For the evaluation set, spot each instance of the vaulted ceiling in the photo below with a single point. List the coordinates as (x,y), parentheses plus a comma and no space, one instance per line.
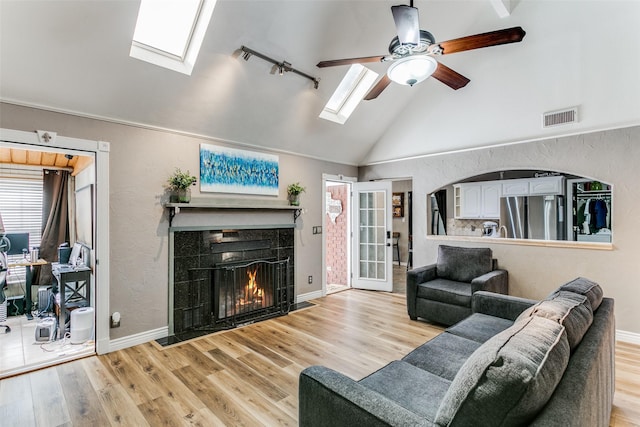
(73,56)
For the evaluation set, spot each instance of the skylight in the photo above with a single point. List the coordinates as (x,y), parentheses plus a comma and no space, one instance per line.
(169,33)
(353,87)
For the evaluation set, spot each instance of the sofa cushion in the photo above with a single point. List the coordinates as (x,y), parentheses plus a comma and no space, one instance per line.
(585,287)
(447,291)
(480,327)
(509,378)
(413,388)
(571,310)
(442,355)
(463,264)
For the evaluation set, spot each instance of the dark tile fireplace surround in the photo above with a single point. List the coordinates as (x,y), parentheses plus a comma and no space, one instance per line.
(223,278)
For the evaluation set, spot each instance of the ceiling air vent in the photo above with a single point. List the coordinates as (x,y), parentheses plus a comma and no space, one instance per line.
(560,117)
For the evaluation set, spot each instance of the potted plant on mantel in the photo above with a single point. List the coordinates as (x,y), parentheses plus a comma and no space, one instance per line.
(179,183)
(294,190)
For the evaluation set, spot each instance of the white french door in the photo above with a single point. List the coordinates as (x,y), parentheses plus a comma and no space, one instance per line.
(372,256)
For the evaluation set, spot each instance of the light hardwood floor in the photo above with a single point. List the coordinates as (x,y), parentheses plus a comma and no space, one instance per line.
(247,376)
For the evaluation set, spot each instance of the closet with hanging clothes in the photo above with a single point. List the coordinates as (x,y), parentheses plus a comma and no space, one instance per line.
(591,211)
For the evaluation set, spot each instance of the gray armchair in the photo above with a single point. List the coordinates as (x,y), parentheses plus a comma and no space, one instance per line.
(442,292)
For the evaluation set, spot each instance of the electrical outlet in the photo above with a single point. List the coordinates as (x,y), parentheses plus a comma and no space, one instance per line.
(115,320)
(310,279)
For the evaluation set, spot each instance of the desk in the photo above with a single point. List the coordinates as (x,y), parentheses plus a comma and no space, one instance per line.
(74,287)
(28,265)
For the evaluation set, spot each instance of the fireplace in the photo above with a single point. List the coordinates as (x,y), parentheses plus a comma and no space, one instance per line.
(223,278)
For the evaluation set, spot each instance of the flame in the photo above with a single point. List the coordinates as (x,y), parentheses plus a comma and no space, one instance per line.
(253,293)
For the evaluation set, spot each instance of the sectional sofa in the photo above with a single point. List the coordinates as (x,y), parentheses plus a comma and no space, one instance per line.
(512,362)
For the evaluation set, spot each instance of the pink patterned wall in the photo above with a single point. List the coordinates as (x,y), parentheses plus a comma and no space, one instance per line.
(336,240)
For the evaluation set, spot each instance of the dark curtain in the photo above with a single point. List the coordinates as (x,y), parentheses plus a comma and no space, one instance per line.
(55,221)
(441,199)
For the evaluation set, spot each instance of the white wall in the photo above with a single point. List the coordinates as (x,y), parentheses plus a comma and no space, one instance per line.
(140,163)
(609,156)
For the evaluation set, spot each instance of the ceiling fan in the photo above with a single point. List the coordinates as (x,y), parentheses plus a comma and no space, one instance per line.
(412,51)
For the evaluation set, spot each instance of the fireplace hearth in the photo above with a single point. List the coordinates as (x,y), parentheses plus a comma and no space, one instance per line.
(224,278)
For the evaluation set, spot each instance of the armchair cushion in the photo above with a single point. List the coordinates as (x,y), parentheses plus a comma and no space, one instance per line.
(447,291)
(463,264)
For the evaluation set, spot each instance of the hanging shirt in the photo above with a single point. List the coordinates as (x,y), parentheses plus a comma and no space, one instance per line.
(600,211)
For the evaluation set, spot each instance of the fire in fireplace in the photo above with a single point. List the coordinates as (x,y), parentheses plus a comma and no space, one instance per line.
(247,292)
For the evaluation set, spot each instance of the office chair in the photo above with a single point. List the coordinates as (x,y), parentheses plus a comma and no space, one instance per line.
(3,299)
(4,265)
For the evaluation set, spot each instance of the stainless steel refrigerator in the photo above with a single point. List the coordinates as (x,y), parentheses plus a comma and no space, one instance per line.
(533,217)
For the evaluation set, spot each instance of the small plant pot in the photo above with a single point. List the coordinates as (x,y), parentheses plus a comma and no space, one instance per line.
(294,199)
(184,195)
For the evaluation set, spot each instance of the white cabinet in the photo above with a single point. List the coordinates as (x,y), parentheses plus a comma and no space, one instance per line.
(547,185)
(515,187)
(470,200)
(491,192)
(477,200)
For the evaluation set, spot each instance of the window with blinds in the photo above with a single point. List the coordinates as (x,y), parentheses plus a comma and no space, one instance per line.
(21,209)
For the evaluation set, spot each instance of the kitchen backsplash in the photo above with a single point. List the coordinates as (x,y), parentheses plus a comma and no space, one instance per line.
(465,227)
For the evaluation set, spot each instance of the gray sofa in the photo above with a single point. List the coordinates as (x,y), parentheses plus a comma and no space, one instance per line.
(512,362)
(442,292)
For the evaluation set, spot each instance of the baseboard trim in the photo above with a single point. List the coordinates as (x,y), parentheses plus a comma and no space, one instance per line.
(140,338)
(628,337)
(308,296)
(143,337)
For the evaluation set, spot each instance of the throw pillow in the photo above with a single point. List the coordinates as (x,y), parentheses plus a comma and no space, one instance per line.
(571,310)
(463,264)
(585,287)
(508,380)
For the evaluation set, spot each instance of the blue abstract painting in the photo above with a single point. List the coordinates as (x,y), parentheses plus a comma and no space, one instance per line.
(228,170)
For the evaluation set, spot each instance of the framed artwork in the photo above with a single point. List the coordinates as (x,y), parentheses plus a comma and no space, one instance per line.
(229,170)
(397,203)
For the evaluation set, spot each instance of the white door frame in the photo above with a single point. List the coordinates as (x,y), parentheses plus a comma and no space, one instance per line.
(101,275)
(346,180)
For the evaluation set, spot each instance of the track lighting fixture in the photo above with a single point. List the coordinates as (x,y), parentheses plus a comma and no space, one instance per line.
(282,67)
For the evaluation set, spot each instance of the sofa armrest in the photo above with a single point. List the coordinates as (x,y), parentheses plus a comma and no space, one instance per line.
(414,278)
(499,305)
(494,281)
(327,397)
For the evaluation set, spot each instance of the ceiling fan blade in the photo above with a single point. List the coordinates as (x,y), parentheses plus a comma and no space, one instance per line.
(378,88)
(347,61)
(407,24)
(451,78)
(493,38)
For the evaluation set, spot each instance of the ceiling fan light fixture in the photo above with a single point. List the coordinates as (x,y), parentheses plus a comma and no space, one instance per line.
(412,69)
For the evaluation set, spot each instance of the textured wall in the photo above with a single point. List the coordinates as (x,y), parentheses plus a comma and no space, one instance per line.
(140,162)
(609,156)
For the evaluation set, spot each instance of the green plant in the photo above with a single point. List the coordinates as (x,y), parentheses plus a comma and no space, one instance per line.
(181,180)
(295,189)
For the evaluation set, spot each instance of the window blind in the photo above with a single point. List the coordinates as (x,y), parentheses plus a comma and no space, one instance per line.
(21,209)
